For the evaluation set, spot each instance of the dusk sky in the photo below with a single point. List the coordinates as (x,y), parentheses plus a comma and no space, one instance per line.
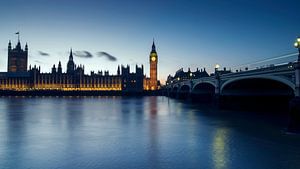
(187,33)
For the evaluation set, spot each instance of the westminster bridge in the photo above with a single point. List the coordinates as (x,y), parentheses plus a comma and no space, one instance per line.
(262,84)
(274,86)
(278,80)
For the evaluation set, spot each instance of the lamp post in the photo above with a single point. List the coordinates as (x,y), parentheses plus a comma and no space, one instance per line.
(297,68)
(217,66)
(217,87)
(294,107)
(297,45)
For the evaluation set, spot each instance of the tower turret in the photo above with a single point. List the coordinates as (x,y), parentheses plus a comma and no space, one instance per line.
(153,67)
(59,69)
(26,47)
(118,71)
(71,64)
(9,45)
(53,69)
(18,45)
(17,58)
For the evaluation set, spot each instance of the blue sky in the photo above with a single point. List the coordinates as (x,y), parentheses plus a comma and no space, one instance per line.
(187,33)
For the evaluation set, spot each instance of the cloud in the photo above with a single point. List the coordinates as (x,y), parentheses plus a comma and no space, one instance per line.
(107,55)
(43,53)
(36,61)
(83,54)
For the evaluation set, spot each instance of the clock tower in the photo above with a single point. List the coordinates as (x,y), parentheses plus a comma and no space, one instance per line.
(153,68)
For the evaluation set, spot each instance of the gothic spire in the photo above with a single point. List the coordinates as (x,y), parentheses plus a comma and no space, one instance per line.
(118,71)
(153,46)
(71,55)
(26,47)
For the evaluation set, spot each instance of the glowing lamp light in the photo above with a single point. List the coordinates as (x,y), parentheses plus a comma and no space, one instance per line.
(217,66)
(191,74)
(297,43)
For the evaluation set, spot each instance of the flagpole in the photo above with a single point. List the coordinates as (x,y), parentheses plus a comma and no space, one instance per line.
(18,33)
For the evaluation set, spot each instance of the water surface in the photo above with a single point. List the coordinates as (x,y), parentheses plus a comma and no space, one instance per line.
(144,132)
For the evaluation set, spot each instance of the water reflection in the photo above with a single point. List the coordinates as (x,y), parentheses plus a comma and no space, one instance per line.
(15,115)
(146,132)
(74,110)
(154,135)
(220,146)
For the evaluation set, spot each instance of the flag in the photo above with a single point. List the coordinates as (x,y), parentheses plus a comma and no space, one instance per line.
(17,33)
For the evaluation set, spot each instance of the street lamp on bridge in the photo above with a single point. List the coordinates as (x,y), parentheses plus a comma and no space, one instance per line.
(297,45)
(297,69)
(217,66)
(294,107)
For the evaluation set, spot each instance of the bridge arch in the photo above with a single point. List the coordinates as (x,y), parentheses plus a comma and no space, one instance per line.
(205,82)
(203,91)
(257,92)
(184,91)
(175,88)
(286,82)
(184,87)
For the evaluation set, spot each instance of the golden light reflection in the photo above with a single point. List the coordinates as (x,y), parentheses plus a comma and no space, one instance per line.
(220,149)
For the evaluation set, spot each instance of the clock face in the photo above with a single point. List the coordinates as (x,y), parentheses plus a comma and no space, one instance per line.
(153,58)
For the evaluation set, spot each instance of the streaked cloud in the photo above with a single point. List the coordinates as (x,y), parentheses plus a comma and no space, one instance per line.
(37,61)
(83,54)
(43,53)
(107,55)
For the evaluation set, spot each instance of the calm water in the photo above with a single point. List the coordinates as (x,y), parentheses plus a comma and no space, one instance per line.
(147,132)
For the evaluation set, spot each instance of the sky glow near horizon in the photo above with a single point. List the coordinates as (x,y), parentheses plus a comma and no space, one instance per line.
(187,33)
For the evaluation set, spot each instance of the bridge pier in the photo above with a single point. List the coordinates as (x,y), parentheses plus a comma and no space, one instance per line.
(294,107)
(294,115)
(216,99)
(297,75)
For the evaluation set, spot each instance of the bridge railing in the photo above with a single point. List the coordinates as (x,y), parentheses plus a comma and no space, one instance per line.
(277,68)
(268,63)
(279,63)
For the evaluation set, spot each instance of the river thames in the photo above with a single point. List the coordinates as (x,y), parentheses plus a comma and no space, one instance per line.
(141,133)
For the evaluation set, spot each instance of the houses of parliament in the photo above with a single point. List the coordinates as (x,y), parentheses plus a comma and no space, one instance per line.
(19,78)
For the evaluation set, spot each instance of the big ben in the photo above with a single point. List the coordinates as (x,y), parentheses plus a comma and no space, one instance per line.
(153,68)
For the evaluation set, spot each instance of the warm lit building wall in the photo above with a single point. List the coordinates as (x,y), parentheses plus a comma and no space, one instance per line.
(146,83)
(48,81)
(69,82)
(15,83)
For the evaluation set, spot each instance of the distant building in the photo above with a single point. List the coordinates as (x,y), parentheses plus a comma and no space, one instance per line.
(152,83)
(221,72)
(132,81)
(19,78)
(17,58)
(181,75)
